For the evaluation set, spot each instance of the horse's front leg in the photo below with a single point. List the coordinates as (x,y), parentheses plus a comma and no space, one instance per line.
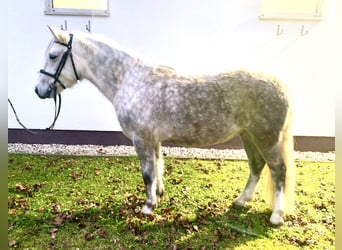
(159,170)
(149,163)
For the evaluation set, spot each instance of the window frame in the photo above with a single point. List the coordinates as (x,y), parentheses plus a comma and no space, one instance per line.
(319,14)
(50,10)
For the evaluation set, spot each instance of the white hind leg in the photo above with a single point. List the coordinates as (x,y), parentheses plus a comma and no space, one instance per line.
(278,175)
(277,217)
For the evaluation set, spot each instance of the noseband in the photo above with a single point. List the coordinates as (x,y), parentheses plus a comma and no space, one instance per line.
(58,72)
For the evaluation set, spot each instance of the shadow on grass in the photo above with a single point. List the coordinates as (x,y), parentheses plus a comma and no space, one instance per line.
(115,226)
(206,228)
(122,226)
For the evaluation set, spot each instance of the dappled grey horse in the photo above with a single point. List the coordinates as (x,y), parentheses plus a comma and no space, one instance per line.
(154,103)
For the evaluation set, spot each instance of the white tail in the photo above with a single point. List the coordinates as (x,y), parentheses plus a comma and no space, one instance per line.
(287,149)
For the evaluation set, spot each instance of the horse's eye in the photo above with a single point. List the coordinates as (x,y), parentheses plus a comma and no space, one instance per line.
(52,56)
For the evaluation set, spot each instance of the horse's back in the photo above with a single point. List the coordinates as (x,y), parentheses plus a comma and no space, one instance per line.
(212,109)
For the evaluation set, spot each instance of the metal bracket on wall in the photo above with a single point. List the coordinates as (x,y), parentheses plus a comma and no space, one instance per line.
(302,32)
(279,30)
(88,27)
(65,25)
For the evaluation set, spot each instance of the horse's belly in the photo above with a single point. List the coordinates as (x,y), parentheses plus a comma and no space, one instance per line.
(205,136)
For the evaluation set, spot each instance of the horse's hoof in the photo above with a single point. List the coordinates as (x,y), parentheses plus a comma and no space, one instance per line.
(240,201)
(147,210)
(276,219)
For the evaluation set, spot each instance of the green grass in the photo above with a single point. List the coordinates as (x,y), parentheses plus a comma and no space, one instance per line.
(64,202)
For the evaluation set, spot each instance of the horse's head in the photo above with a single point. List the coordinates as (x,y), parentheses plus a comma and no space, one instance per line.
(59,71)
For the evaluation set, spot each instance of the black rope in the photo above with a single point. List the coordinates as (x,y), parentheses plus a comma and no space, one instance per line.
(57,111)
(18,120)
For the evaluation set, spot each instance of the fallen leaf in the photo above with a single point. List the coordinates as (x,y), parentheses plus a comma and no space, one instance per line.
(23,189)
(56,208)
(58,220)
(89,236)
(12,243)
(20,187)
(76,176)
(81,225)
(38,186)
(21,202)
(103,234)
(176,181)
(28,166)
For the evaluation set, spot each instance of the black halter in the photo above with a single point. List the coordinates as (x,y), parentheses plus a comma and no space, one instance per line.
(58,72)
(53,85)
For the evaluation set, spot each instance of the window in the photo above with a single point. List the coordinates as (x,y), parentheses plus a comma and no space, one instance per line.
(292,9)
(77,7)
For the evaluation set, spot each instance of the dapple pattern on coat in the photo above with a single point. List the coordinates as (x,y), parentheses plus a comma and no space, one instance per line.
(155,104)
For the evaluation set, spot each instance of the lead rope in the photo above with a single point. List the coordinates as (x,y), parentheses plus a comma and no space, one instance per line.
(57,111)
(18,120)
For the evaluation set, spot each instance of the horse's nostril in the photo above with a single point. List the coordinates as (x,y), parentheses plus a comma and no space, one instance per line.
(36,90)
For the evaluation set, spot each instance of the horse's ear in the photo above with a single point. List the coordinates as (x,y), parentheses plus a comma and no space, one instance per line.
(59,35)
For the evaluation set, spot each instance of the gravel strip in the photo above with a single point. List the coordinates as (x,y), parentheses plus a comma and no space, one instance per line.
(178,152)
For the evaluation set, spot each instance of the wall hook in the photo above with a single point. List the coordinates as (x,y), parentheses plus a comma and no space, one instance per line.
(302,32)
(88,27)
(279,30)
(65,25)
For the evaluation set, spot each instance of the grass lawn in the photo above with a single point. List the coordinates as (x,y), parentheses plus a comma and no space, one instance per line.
(66,202)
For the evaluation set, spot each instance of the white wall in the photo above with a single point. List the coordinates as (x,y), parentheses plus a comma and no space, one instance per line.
(193,36)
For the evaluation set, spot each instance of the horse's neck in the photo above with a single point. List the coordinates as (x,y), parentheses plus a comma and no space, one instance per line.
(108,68)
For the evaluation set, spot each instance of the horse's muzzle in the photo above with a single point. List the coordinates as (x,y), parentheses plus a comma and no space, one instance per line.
(48,93)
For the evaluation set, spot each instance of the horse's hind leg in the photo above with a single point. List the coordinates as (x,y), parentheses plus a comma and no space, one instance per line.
(278,173)
(256,164)
(150,161)
(281,188)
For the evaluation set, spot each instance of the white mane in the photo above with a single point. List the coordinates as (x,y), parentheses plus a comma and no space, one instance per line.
(112,43)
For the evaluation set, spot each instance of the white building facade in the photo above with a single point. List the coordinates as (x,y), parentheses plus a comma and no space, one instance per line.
(195,37)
